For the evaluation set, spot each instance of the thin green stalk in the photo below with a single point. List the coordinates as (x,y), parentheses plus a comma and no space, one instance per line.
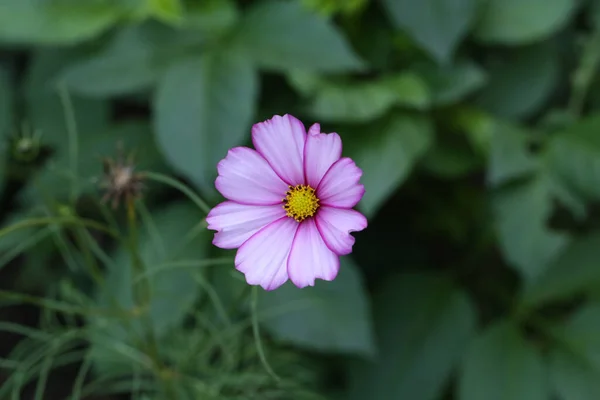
(90,260)
(108,216)
(152,229)
(155,176)
(216,338)
(214,298)
(63,247)
(140,289)
(257,341)
(45,372)
(80,378)
(183,264)
(31,241)
(141,292)
(60,306)
(71,123)
(31,222)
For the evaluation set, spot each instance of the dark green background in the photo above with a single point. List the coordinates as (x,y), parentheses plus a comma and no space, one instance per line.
(477,126)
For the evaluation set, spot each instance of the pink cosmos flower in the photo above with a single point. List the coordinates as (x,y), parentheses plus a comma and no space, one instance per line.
(289,210)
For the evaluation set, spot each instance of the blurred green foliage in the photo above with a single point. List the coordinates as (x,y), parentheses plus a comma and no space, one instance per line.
(477,126)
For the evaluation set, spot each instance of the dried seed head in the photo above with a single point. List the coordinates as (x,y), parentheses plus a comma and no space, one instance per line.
(120,181)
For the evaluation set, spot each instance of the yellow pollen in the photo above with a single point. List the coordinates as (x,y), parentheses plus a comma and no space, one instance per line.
(300,202)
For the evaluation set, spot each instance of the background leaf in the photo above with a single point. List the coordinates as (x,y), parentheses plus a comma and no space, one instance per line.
(331,316)
(170,11)
(391,151)
(574,271)
(500,365)
(572,376)
(506,95)
(521,216)
(362,101)
(132,61)
(575,369)
(43,104)
(283,35)
(451,83)
(573,156)
(514,22)
(193,107)
(56,21)
(423,326)
(437,25)
(509,154)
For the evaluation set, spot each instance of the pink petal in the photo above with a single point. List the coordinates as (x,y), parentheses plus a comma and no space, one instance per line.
(263,257)
(236,222)
(245,177)
(339,187)
(281,140)
(320,152)
(335,225)
(310,257)
(314,129)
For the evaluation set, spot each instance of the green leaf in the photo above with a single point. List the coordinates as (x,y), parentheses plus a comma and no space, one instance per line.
(56,21)
(361,101)
(44,109)
(452,83)
(202,108)
(437,25)
(501,365)
(573,156)
(515,22)
(478,127)
(572,376)
(284,36)
(331,7)
(330,317)
(423,324)
(575,369)
(211,17)
(593,13)
(521,213)
(169,11)
(507,96)
(574,271)
(509,155)
(387,153)
(173,291)
(134,60)
(46,114)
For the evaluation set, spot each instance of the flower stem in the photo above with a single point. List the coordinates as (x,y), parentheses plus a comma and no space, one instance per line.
(178,185)
(257,341)
(71,123)
(141,287)
(31,222)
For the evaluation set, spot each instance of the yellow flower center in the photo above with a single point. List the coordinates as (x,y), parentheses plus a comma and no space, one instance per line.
(300,202)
